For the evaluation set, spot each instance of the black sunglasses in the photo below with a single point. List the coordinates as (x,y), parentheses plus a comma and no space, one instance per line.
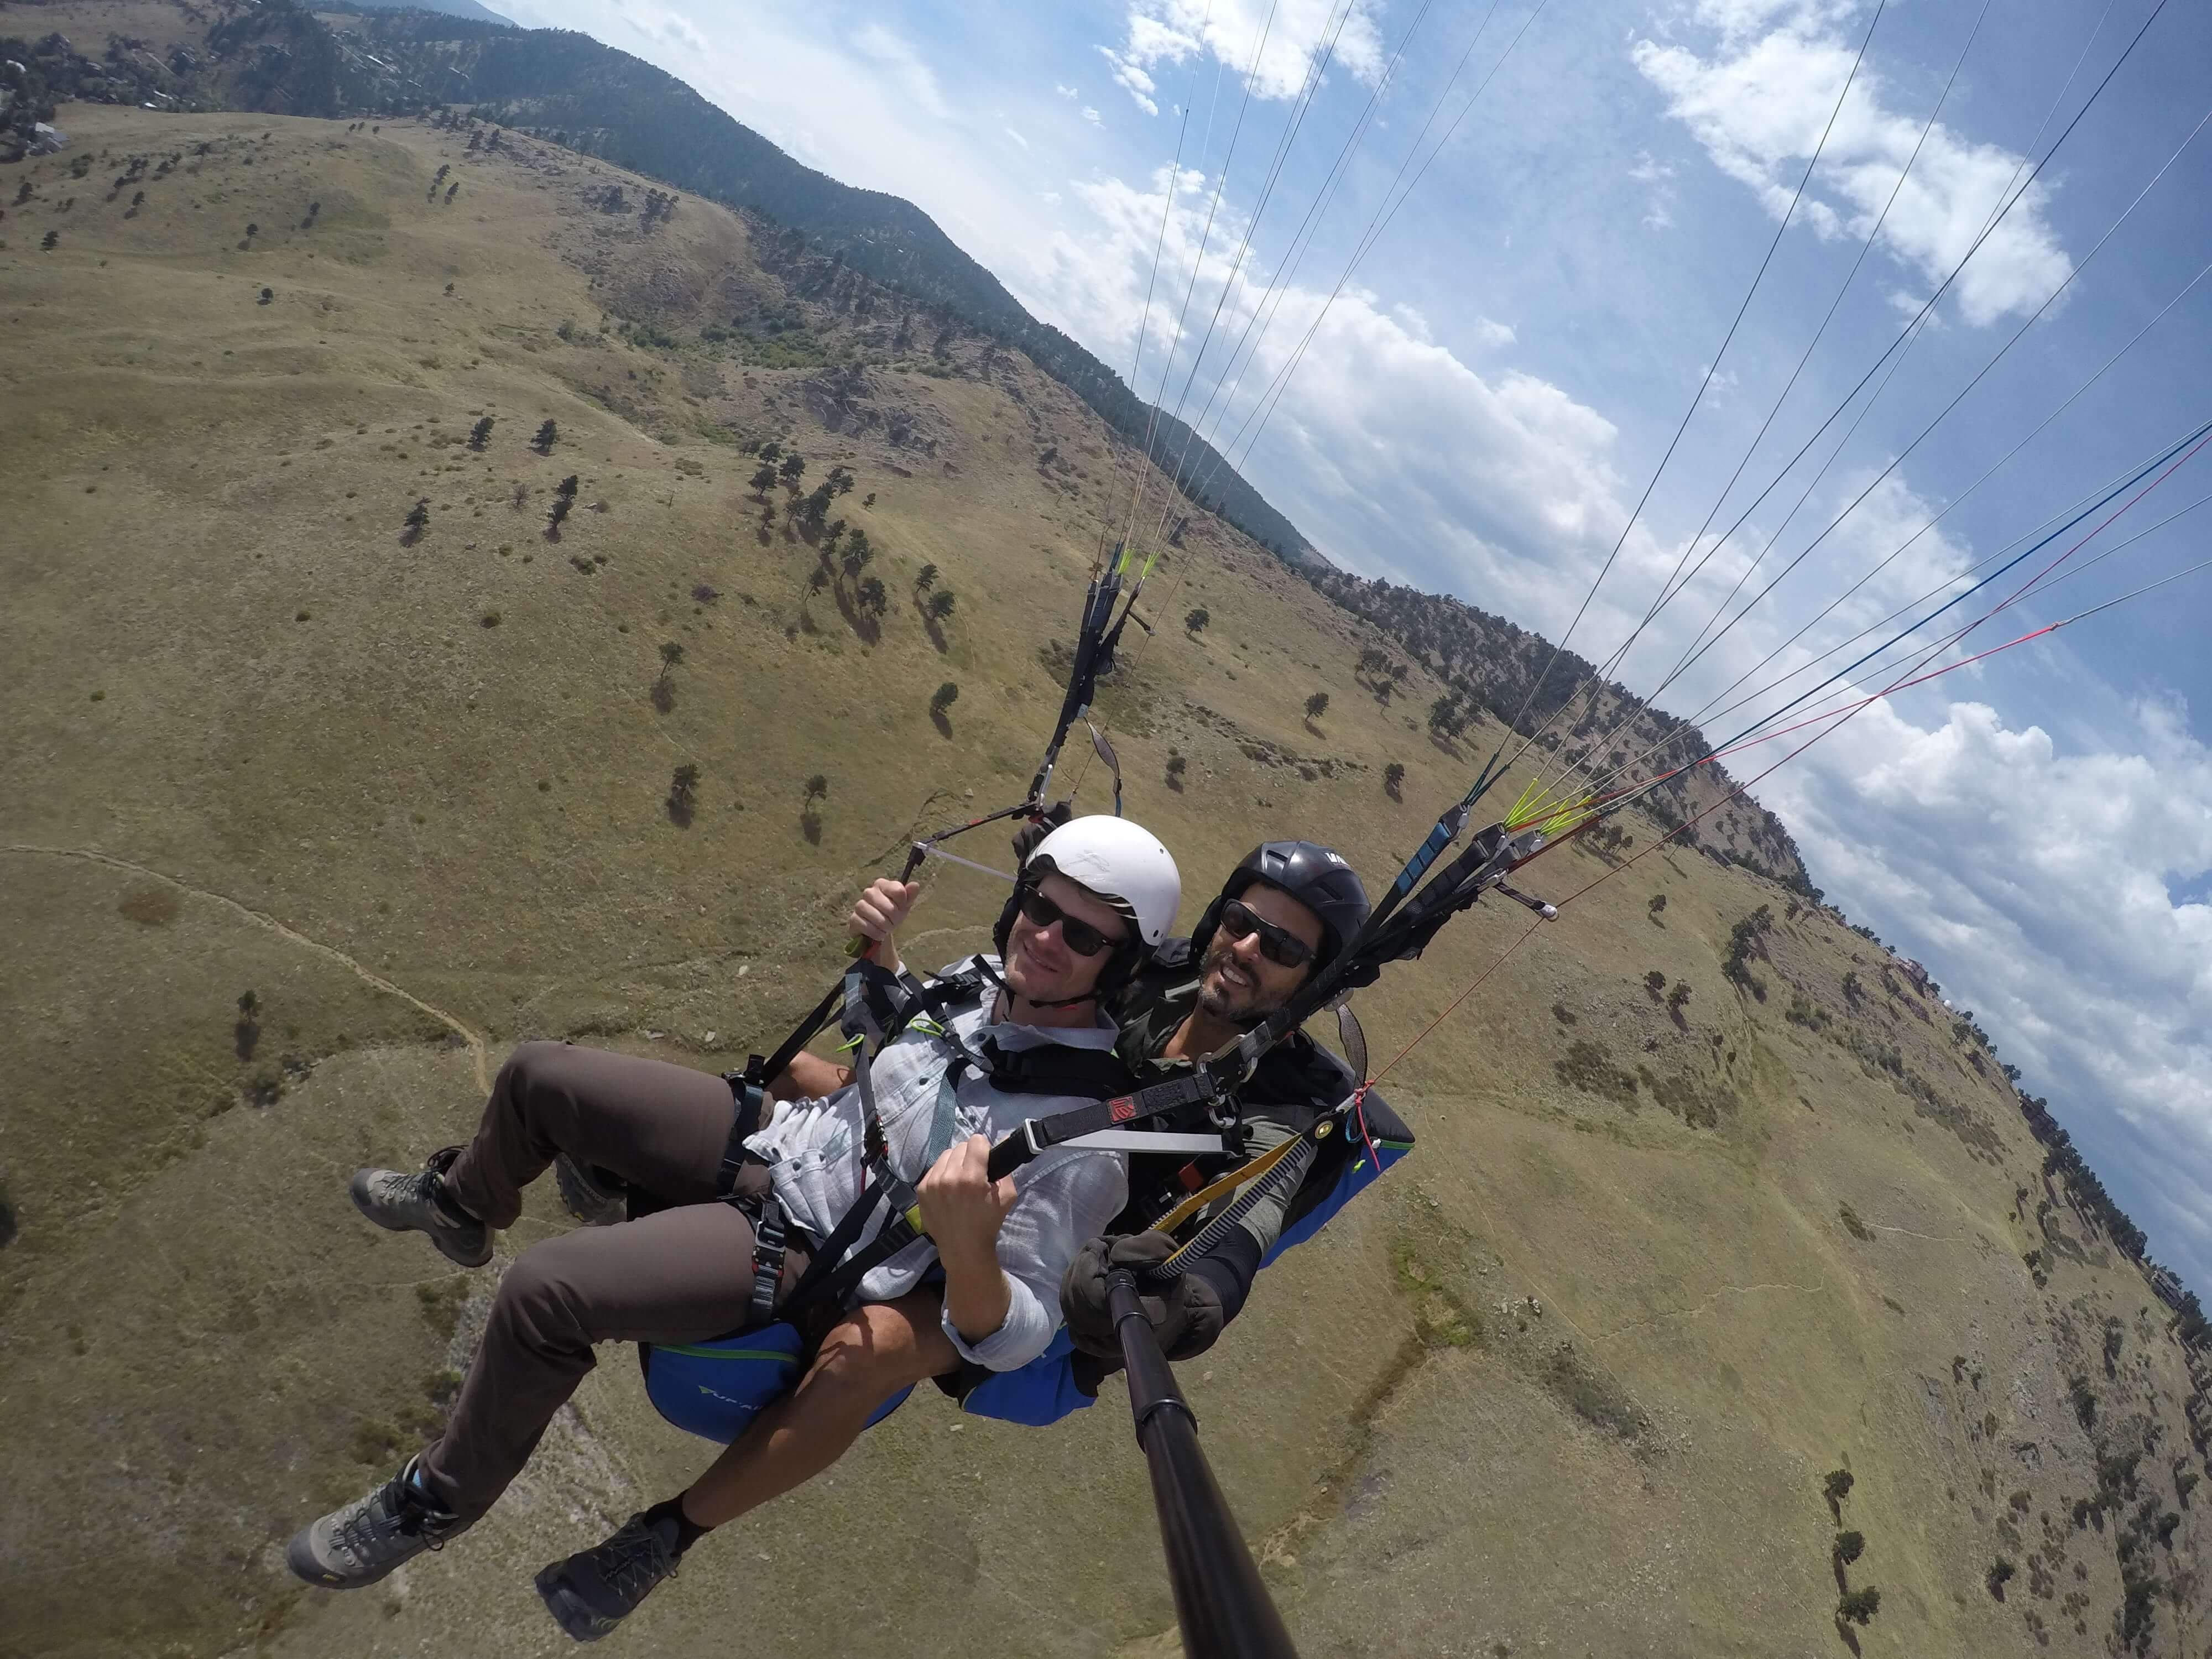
(1077,935)
(1283,949)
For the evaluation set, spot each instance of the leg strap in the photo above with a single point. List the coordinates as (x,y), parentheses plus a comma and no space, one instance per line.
(748,1099)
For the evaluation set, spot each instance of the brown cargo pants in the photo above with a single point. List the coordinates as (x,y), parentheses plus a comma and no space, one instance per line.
(682,1275)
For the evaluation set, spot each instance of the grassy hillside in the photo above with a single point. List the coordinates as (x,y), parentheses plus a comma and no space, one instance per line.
(1570,1381)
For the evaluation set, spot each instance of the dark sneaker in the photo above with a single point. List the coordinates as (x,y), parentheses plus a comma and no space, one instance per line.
(357,1546)
(591,1194)
(404,1202)
(595,1589)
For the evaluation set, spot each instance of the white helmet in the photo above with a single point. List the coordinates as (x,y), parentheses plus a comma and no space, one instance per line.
(1123,865)
(1113,860)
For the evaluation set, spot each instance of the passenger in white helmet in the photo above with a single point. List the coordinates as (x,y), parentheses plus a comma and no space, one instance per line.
(1095,896)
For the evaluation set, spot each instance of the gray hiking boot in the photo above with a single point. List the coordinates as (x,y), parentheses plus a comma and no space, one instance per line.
(357,1546)
(404,1202)
(591,1195)
(595,1589)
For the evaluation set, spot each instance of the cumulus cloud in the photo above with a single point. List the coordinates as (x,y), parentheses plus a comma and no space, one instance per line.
(1273,45)
(1131,78)
(1091,115)
(1757,104)
(1064,91)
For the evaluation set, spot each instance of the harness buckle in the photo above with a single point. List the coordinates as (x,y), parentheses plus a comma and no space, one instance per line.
(769,1235)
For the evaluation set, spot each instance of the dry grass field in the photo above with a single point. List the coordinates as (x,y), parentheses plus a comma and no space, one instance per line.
(1567,1384)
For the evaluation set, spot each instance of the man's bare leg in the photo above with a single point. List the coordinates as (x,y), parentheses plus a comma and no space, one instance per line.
(868,1356)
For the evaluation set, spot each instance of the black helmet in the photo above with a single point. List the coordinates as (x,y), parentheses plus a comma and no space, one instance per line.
(1317,877)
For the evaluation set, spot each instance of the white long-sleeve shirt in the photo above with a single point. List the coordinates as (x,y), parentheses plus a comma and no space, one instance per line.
(814,1151)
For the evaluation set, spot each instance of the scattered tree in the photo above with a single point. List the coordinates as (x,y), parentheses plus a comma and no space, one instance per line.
(1656,983)
(1678,998)
(683,795)
(548,435)
(451,191)
(870,597)
(924,579)
(558,516)
(763,480)
(1853,991)
(943,698)
(418,520)
(480,433)
(1394,780)
(1849,1545)
(868,499)
(1195,623)
(2000,1575)
(1658,904)
(1316,705)
(817,788)
(267,296)
(792,470)
(940,605)
(49,240)
(1858,1607)
(664,689)
(252,231)
(519,496)
(1835,1485)
(1176,765)
(247,1032)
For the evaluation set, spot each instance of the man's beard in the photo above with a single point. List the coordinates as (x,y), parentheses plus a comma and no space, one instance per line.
(1241,1007)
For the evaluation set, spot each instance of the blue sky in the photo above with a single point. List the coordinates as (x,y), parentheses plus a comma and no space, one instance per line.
(1484,403)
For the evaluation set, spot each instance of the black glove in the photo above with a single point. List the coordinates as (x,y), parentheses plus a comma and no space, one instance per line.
(1027,837)
(1185,1310)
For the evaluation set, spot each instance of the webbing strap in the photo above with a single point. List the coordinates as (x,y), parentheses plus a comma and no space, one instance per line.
(1037,1135)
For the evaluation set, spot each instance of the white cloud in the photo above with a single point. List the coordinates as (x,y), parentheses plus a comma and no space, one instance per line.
(913,77)
(1131,79)
(1659,175)
(1017,137)
(1091,115)
(1286,35)
(1493,334)
(1759,105)
(1065,92)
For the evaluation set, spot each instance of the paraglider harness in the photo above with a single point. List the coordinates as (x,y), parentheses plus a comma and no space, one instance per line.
(714,1388)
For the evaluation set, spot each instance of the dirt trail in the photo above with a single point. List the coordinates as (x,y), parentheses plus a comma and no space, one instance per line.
(460,1028)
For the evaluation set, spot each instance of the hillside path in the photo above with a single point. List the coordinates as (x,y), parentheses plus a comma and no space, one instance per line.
(467,1033)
